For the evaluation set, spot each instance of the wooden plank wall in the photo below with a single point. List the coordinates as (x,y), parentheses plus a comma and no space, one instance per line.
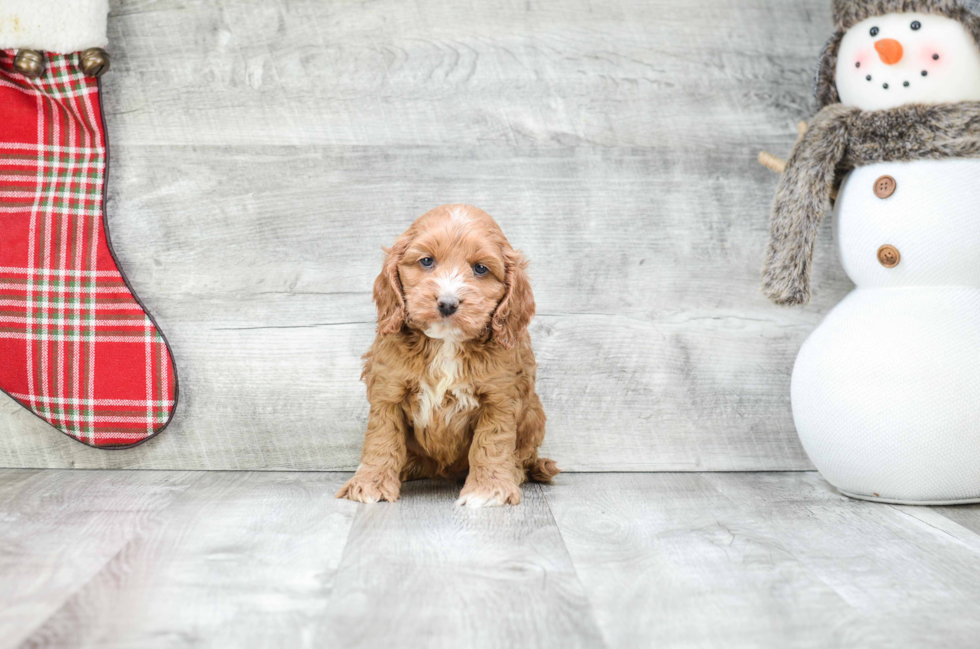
(263,152)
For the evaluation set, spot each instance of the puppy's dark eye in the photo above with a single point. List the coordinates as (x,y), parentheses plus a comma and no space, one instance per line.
(427,262)
(916,26)
(875,31)
(480,269)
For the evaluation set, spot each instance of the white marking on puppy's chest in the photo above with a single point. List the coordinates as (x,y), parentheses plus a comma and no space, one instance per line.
(443,378)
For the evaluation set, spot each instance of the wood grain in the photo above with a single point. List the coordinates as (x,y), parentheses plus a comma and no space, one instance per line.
(967,516)
(238,560)
(750,560)
(903,568)
(425,574)
(700,75)
(670,561)
(59,529)
(101,559)
(264,152)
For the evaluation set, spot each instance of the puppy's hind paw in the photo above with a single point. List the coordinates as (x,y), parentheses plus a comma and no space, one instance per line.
(542,470)
(369,489)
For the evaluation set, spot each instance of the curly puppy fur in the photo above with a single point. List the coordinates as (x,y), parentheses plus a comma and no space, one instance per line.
(848,13)
(452,393)
(840,139)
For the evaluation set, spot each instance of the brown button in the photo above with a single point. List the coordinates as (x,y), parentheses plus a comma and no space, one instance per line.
(888,256)
(885,187)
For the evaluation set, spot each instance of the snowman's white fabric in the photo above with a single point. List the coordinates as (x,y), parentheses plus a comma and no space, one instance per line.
(886,391)
(888,61)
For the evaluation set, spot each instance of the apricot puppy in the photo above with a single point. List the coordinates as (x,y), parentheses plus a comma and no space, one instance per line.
(450,376)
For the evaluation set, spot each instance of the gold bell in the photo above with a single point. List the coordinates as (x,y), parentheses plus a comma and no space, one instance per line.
(29,63)
(94,62)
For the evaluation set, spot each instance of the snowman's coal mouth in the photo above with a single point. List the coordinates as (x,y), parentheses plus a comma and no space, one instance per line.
(887,85)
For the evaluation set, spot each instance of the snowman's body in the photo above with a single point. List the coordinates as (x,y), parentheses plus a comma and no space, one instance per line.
(886,392)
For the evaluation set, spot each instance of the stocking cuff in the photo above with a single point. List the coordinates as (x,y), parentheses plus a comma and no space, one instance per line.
(60,26)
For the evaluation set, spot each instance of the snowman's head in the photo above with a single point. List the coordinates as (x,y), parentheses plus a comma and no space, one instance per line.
(908,58)
(893,52)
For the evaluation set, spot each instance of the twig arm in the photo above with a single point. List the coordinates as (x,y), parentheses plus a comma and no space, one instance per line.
(774,163)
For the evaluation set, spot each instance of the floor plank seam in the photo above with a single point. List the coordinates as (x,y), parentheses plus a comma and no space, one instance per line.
(352,469)
(109,560)
(571,560)
(904,512)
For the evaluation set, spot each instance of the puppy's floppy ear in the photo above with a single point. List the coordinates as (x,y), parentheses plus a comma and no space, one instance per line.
(388,294)
(516,309)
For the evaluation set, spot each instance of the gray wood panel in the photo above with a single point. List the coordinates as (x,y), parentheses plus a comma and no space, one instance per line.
(645,73)
(60,529)
(670,561)
(904,569)
(426,574)
(264,152)
(237,560)
(245,559)
(765,560)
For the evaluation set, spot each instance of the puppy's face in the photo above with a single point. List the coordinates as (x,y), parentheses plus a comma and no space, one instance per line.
(453,275)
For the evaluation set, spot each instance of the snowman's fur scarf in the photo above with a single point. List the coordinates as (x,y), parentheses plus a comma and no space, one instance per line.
(839,139)
(848,13)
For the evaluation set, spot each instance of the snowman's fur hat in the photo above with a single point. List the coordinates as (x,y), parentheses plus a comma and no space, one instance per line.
(848,13)
(841,138)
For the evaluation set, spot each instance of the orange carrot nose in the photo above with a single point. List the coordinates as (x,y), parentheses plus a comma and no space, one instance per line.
(889,50)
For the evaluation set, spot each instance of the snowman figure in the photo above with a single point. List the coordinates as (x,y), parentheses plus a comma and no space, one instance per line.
(886,391)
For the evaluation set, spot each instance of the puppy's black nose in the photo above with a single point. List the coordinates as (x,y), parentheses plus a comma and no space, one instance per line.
(448,306)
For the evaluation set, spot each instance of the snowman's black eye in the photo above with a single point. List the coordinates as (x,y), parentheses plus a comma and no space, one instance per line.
(916,26)
(875,31)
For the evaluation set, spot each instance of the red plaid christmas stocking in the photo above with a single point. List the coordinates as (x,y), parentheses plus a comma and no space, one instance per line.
(76,346)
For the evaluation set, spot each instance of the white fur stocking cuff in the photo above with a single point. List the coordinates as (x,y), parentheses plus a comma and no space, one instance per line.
(60,26)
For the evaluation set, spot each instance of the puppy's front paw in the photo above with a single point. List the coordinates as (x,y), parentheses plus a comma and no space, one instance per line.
(477,494)
(370,488)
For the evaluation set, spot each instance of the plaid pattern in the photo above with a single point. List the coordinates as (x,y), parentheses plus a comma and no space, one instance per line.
(76,347)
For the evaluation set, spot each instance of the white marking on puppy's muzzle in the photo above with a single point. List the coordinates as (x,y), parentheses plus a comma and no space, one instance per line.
(451,285)
(444,331)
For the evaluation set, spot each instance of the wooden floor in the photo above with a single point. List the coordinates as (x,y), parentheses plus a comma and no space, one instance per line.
(174,559)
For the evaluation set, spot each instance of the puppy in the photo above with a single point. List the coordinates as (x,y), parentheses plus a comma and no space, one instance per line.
(450,376)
